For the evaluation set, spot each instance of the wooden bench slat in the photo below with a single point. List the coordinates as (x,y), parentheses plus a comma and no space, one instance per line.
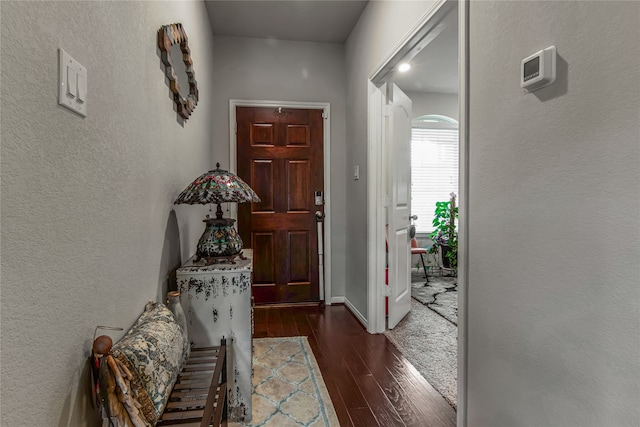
(211,397)
(186,404)
(200,385)
(190,376)
(180,424)
(204,354)
(182,415)
(219,405)
(199,349)
(192,394)
(198,397)
(200,353)
(195,379)
(192,368)
(201,361)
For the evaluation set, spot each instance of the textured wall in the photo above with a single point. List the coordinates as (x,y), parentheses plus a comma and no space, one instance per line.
(88,231)
(381,27)
(554,271)
(278,70)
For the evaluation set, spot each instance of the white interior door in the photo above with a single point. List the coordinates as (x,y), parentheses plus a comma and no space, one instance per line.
(398,144)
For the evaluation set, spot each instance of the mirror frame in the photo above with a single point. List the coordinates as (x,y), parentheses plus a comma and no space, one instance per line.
(168,36)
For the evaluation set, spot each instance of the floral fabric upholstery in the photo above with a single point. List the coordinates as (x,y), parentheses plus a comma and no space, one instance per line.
(154,350)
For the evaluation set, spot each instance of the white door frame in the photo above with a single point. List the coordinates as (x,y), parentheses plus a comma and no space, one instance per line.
(233,164)
(427,26)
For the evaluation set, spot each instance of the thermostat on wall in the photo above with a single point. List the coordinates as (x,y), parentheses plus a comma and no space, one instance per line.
(538,70)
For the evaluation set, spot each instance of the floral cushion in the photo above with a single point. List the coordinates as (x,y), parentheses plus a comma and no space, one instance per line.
(153,350)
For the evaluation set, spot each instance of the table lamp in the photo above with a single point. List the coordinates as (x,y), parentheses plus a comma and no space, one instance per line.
(220,242)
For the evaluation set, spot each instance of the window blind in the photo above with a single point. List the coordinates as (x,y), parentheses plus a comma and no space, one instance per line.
(434,172)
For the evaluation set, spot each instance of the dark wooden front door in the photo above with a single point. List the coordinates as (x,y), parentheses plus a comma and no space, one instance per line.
(280,155)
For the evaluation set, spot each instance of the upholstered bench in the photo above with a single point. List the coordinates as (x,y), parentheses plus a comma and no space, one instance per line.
(152,377)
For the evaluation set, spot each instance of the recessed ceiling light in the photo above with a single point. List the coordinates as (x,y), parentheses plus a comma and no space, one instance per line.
(404,67)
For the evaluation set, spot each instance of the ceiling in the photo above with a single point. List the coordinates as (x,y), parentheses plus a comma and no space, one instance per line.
(434,68)
(327,21)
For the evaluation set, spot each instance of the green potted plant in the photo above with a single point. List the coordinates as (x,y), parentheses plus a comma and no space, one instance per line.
(445,236)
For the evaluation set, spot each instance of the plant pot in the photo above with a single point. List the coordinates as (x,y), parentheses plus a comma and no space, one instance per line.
(446,263)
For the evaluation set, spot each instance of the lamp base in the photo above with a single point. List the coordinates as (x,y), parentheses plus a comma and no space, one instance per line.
(220,242)
(210,260)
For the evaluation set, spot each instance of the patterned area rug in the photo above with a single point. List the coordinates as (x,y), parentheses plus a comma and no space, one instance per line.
(440,294)
(288,389)
(427,336)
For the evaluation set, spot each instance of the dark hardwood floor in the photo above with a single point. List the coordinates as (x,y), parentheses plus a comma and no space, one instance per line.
(369,381)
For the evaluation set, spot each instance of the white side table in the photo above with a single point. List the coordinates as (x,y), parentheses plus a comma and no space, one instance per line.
(216,300)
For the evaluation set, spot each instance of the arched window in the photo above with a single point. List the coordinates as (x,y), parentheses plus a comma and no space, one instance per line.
(434,166)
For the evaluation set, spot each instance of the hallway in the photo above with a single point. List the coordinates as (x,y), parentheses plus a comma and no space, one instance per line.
(369,381)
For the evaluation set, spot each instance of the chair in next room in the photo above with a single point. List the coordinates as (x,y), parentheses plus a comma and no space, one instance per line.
(416,250)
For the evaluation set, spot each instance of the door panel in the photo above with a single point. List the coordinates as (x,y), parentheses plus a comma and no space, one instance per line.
(280,155)
(262,182)
(297,135)
(298,186)
(399,154)
(299,254)
(264,271)
(262,134)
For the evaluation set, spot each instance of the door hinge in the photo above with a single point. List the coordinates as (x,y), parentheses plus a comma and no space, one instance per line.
(386,201)
(325,115)
(386,291)
(386,110)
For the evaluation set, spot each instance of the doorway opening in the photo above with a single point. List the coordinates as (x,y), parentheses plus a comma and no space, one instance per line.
(436,85)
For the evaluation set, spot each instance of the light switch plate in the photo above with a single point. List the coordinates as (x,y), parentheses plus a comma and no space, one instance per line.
(72,72)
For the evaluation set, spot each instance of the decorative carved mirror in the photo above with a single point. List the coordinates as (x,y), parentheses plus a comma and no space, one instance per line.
(176,57)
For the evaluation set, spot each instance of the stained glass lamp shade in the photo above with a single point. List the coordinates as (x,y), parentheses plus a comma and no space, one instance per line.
(220,241)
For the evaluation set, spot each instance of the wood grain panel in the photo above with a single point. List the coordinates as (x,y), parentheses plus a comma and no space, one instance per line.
(297,135)
(299,257)
(299,191)
(262,134)
(262,176)
(264,265)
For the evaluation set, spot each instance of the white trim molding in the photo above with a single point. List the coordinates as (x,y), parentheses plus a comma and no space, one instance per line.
(352,308)
(233,164)
(463,209)
(376,213)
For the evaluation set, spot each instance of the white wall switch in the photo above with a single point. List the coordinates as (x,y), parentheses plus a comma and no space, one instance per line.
(81,83)
(72,84)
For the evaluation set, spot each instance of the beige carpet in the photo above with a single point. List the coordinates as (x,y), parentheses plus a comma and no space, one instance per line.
(427,336)
(288,389)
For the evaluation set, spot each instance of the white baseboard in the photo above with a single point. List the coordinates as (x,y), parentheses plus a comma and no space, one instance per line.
(337,300)
(355,312)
